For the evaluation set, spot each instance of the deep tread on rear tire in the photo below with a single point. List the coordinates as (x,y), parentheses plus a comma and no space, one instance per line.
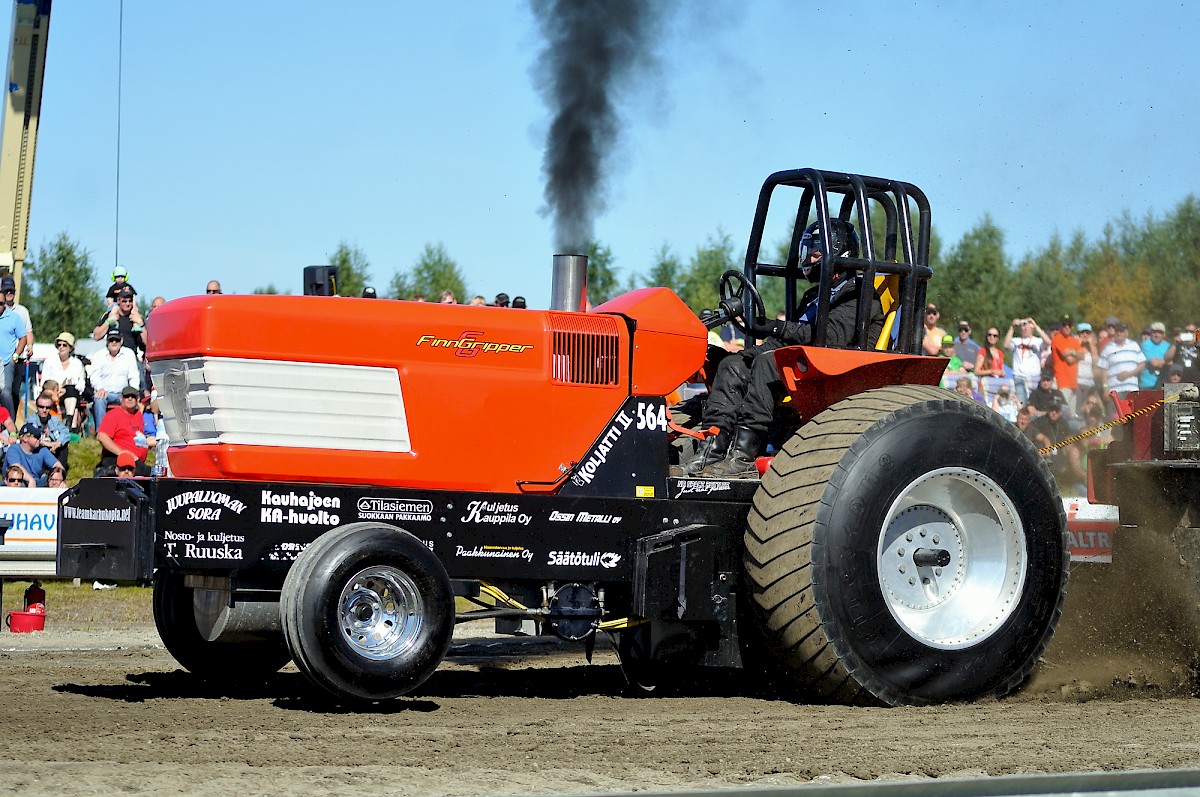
(816,538)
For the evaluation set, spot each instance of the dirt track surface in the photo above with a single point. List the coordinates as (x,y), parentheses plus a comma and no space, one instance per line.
(107,711)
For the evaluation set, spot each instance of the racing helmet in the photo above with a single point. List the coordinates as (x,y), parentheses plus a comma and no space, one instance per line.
(845,244)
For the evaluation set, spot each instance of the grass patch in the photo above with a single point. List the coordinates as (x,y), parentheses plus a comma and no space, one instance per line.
(72,607)
(85,456)
(69,607)
(82,459)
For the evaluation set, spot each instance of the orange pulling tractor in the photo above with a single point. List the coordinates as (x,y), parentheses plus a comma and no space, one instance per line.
(345,511)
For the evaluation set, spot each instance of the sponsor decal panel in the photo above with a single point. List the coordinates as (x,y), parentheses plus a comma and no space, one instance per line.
(286,551)
(468,344)
(495,513)
(299,508)
(587,471)
(395,509)
(204,504)
(107,515)
(1091,528)
(605,559)
(582,517)
(215,545)
(702,487)
(25,520)
(32,515)
(494,552)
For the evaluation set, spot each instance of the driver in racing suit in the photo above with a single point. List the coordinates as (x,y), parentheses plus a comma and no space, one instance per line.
(747,384)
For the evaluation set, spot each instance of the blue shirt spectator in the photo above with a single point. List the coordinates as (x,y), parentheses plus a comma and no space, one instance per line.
(56,437)
(30,455)
(1155,348)
(12,329)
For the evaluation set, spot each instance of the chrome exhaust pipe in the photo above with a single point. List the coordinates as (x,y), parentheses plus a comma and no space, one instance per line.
(568,288)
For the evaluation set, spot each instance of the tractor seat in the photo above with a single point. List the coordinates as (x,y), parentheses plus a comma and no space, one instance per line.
(887,287)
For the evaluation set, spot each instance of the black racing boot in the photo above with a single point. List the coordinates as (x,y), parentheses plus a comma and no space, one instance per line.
(710,451)
(740,462)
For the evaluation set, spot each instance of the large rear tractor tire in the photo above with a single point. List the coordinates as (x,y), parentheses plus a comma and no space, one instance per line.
(368,612)
(210,639)
(907,547)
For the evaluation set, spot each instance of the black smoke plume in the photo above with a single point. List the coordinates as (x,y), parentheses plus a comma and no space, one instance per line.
(595,50)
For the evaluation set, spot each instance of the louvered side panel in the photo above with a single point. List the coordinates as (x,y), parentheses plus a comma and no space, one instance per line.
(586,350)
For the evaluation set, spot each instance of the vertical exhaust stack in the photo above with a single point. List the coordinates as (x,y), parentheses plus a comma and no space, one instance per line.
(568,290)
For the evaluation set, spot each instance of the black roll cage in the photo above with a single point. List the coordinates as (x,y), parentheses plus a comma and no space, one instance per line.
(856,190)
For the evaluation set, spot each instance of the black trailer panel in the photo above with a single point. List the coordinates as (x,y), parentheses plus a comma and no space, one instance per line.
(260,528)
(106,531)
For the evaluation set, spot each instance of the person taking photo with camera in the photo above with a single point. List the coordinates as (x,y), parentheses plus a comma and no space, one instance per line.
(1184,353)
(1026,348)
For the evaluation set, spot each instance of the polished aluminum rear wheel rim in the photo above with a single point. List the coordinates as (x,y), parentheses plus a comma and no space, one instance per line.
(952,558)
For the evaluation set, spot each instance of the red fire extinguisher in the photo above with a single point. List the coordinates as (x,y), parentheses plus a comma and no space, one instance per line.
(35,598)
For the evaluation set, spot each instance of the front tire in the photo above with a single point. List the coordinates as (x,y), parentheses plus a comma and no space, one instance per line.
(368,612)
(855,599)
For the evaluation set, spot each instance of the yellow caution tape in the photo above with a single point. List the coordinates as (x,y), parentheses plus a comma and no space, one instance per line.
(1109,425)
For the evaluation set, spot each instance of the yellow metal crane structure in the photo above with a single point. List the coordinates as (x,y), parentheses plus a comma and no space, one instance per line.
(26,69)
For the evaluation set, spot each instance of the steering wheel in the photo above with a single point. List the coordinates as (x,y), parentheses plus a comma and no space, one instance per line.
(732,286)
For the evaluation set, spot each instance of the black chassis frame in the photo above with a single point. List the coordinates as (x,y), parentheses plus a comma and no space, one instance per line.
(674,559)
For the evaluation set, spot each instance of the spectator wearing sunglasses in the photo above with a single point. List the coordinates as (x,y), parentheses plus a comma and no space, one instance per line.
(120,281)
(56,438)
(124,318)
(126,466)
(931,343)
(1025,340)
(66,372)
(213,287)
(965,346)
(29,454)
(15,476)
(123,431)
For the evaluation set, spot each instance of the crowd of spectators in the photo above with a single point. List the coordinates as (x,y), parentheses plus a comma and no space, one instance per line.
(449,297)
(68,395)
(1055,383)
(108,395)
(1051,383)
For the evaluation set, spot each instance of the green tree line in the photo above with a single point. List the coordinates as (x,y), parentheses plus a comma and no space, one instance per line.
(1140,270)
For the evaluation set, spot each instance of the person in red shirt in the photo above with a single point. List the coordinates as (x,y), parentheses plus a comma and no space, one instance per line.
(8,429)
(124,432)
(1065,351)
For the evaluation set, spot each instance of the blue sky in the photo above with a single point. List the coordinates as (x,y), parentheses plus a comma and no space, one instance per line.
(256,136)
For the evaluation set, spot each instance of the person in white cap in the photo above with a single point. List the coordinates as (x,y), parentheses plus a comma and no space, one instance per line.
(1155,348)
